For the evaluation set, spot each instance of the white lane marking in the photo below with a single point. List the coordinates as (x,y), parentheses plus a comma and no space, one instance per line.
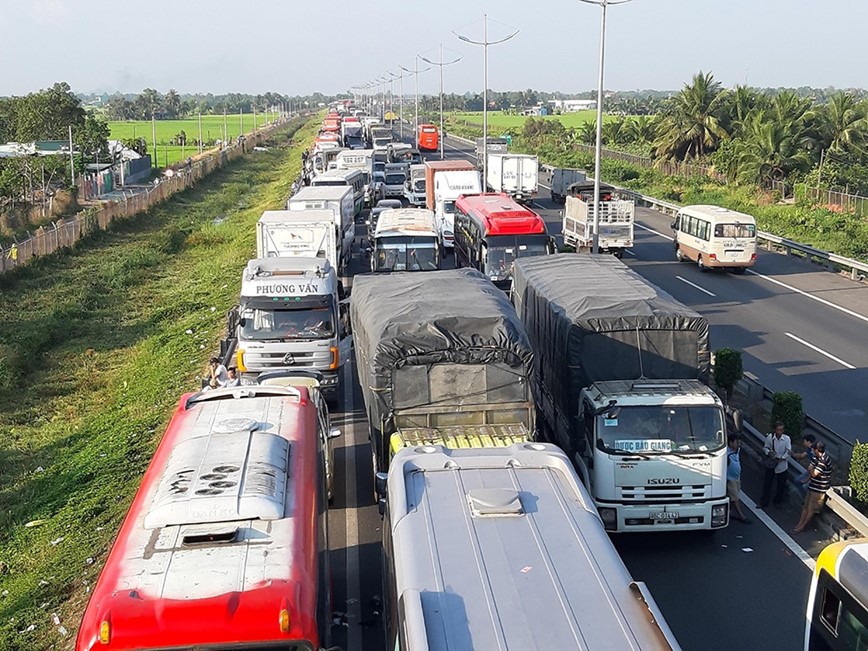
(823,301)
(645,228)
(629,252)
(354,593)
(821,351)
(812,297)
(701,289)
(782,535)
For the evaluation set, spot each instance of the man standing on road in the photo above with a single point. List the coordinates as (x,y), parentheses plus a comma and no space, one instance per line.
(821,478)
(777,449)
(733,478)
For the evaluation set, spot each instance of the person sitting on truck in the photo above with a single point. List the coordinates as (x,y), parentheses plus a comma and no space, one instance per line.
(232,379)
(218,373)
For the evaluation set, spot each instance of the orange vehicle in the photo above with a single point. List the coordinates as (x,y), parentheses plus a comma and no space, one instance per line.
(429,137)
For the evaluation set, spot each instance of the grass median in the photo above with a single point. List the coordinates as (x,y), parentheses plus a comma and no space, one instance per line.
(96,347)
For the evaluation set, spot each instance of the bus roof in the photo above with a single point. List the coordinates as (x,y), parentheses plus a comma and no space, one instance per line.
(847,562)
(502,548)
(407,221)
(717,214)
(499,214)
(222,533)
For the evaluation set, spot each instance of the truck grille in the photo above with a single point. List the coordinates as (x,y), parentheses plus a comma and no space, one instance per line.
(664,493)
(278,360)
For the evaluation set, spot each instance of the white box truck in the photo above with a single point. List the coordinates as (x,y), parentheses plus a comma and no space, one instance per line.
(616,218)
(297,233)
(514,174)
(340,200)
(562,178)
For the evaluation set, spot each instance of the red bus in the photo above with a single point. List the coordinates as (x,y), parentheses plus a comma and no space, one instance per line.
(492,230)
(224,546)
(429,138)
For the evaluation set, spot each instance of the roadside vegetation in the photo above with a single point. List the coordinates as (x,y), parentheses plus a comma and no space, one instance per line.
(753,147)
(96,347)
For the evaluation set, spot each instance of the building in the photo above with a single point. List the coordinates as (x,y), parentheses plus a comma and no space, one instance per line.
(573,105)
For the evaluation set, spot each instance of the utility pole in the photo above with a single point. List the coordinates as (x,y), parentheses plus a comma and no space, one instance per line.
(415,72)
(485,43)
(441,64)
(71,158)
(201,146)
(154,138)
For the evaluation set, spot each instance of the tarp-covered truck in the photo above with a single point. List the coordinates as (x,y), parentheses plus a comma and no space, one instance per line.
(620,385)
(441,357)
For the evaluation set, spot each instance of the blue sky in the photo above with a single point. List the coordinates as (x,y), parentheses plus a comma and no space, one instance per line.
(300,46)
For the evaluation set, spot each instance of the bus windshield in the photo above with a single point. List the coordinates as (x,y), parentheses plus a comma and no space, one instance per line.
(504,249)
(735,230)
(303,323)
(407,254)
(661,429)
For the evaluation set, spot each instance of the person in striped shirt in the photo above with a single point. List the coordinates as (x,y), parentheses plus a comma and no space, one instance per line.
(820,472)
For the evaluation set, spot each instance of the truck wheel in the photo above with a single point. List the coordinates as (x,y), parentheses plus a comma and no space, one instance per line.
(618,253)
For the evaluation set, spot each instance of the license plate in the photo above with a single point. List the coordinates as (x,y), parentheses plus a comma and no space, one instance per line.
(663,515)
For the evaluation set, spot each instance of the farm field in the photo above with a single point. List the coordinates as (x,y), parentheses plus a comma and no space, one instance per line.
(504,121)
(168,130)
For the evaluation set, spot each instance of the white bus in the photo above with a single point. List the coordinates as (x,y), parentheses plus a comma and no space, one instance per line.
(502,548)
(406,239)
(715,237)
(356,179)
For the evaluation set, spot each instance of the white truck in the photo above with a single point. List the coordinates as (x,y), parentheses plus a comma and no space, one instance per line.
(616,218)
(621,368)
(495,146)
(448,186)
(514,174)
(562,178)
(415,186)
(297,233)
(359,159)
(290,317)
(340,201)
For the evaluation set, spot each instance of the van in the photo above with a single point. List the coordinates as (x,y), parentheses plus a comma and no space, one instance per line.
(715,237)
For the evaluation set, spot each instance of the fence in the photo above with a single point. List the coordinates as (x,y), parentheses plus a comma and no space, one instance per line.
(66,232)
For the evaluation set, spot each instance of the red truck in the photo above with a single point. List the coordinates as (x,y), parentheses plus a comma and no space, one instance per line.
(432,167)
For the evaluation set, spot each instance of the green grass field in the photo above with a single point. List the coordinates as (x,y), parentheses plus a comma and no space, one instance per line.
(504,121)
(212,130)
(97,345)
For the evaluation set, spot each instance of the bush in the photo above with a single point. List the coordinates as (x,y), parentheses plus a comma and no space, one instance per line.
(859,471)
(787,408)
(728,369)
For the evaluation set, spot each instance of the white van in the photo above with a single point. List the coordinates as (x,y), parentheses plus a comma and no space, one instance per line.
(715,237)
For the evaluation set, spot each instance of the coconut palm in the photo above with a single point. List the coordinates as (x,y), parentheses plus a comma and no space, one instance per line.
(843,125)
(642,129)
(587,132)
(693,125)
(771,149)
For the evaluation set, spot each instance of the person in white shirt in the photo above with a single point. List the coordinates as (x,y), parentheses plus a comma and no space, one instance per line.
(777,450)
(232,379)
(219,374)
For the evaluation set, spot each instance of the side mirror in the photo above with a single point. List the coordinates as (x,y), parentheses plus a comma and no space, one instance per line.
(380,481)
(334,432)
(242,322)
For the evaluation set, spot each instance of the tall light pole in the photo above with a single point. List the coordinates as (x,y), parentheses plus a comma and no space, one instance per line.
(441,64)
(415,72)
(485,43)
(401,109)
(392,77)
(598,150)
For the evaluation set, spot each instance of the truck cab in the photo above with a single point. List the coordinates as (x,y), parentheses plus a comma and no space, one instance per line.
(653,454)
(290,316)
(415,186)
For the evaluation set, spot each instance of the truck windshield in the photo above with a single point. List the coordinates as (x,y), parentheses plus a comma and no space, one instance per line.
(395,179)
(661,429)
(303,323)
(504,249)
(407,254)
(419,185)
(449,207)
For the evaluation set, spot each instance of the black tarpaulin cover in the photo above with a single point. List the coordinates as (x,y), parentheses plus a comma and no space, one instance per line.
(588,318)
(448,318)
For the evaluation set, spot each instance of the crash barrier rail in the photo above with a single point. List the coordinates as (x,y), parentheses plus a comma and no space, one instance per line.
(66,232)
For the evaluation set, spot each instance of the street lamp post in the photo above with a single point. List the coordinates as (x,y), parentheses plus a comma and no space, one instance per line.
(598,149)
(485,43)
(441,64)
(415,72)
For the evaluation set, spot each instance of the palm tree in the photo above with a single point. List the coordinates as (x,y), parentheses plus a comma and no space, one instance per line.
(587,132)
(172,102)
(694,122)
(771,149)
(742,103)
(844,126)
(642,129)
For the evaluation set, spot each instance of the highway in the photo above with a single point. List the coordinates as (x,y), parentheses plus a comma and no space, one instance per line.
(744,587)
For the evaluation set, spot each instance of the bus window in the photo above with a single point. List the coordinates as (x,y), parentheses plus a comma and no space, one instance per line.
(735,230)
